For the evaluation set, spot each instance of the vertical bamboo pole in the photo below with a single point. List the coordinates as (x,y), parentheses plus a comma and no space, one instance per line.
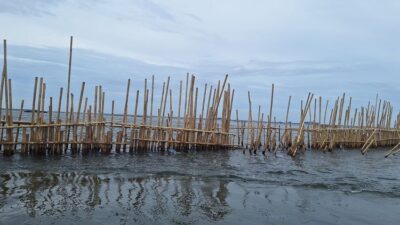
(319,110)
(84,111)
(144,113)
(133,131)
(3,83)
(202,108)
(3,76)
(286,123)
(89,133)
(43,99)
(165,101)
(10,148)
(80,102)
(238,127)
(230,112)
(34,100)
(270,116)
(161,104)
(101,118)
(33,109)
(96,90)
(10,114)
(379,109)
(326,109)
(151,111)
(50,122)
(171,116)
(151,106)
(112,122)
(21,110)
(59,105)
(136,108)
(68,87)
(249,125)
(179,104)
(5,79)
(194,114)
(124,119)
(186,98)
(76,128)
(58,122)
(40,100)
(71,122)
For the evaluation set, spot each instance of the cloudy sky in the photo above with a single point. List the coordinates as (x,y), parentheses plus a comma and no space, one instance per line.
(326,47)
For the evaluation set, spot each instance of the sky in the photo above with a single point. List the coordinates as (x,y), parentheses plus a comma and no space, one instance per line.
(325,47)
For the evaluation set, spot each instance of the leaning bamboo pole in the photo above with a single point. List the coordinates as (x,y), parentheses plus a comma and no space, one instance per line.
(300,132)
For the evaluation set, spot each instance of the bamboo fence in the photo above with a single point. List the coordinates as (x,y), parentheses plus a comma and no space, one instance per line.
(202,123)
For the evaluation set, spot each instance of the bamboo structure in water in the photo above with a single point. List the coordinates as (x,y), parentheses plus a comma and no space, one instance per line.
(86,128)
(202,123)
(363,128)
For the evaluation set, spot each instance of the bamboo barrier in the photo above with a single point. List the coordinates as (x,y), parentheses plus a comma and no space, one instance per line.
(370,127)
(202,123)
(85,128)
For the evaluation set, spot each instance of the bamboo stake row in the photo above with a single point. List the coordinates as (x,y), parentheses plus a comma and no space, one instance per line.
(84,127)
(347,128)
(203,122)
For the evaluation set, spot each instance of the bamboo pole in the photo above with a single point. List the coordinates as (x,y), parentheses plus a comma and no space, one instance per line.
(133,132)
(285,133)
(186,98)
(238,128)
(6,80)
(126,108)
(165,101)
(80,101)
(19,120)
(161,105)
(270,117)
(293,149)
(179,104)
(68,83)
(3,78)
(10,99)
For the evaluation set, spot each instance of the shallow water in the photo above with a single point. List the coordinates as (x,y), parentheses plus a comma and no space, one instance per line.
(221,187)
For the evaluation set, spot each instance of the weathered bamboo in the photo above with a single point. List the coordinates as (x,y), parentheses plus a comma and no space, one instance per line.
(19,120)
(300,132)
(179,104)
(165,102)
(270,119)
(3,75)
(68,84)
(123,131)
(286,139)
(132,145)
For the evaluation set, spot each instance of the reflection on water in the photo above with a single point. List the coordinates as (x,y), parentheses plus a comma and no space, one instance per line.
(199,188)
(47,194)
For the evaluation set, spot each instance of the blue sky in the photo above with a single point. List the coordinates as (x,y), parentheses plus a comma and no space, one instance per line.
(326,47)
